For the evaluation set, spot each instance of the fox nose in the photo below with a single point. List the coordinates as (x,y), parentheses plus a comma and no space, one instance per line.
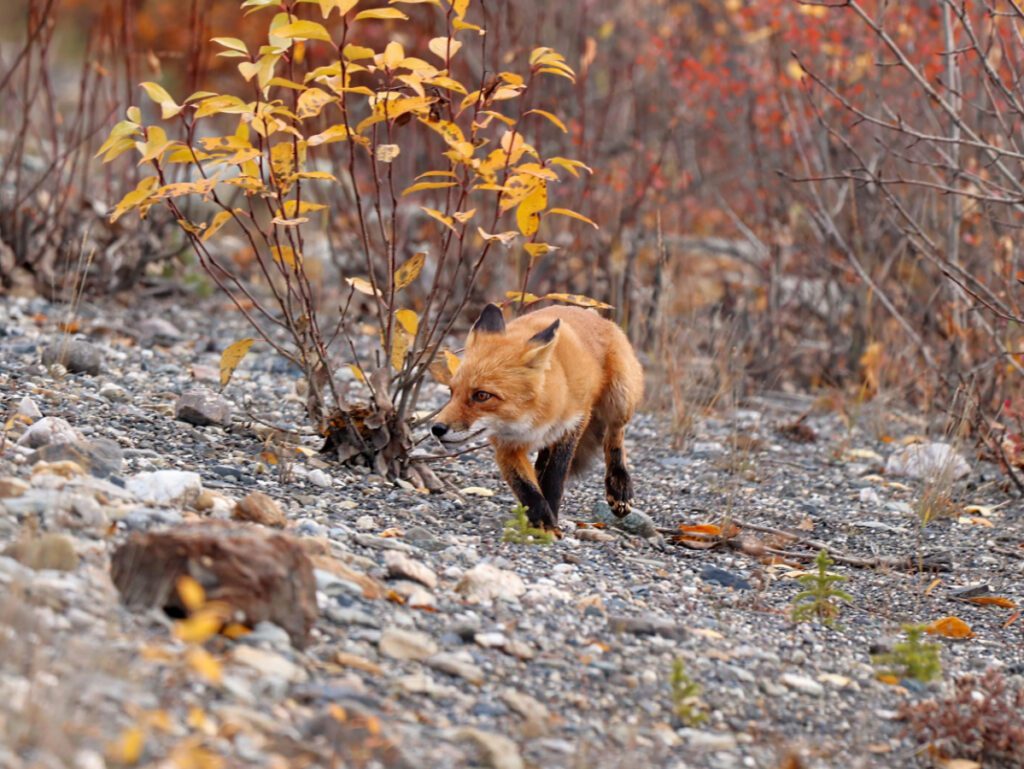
(439,429)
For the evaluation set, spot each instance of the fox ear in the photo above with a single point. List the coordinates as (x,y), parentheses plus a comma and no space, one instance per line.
(491,321)
(540,346)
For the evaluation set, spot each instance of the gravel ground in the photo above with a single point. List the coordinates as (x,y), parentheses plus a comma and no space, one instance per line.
(477,652)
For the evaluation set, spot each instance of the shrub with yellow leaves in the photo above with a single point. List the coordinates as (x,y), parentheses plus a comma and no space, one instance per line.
(326,129)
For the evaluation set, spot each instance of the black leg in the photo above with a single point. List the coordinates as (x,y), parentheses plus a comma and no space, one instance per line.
(618,486)
(552,468)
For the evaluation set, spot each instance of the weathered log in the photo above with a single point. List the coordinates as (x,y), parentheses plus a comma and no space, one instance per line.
(262,577)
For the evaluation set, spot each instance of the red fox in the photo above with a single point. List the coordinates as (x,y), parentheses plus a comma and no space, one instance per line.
(561,381)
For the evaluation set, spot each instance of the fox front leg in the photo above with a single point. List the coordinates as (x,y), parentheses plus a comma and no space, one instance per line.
(522,478)
(552,467)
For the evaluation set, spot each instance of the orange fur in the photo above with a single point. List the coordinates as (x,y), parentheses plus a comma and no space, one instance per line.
(563,381)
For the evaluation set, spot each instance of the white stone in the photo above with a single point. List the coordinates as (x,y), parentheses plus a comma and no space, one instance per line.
(868,496)
(269,663)
(365,523)
(319,478)
(166,487)
(403,567)
(485,582)
(405,644)
(28,408)
(802,684)
(929,461)
(499,751)
(47,431)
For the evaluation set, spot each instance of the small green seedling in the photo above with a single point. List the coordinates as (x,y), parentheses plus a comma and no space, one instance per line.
(911,658)
(519,531)
(820,598)
(685,696)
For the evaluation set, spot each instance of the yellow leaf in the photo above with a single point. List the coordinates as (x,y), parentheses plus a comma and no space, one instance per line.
(460,7)
(155,146)
(444,47)
(394,55)
(950,627)
(410,320)
(135,198)
(204,664)
(190,592)
(433,213)
(312,101)
(231,43)
(231,357)
(463,216)
(570,165)
(537,250)
(357,372)
(284,255)
(168,107)
(336,133)
(409,271)
(419,186)
(216,223)
(529,211)
(452,136)
(343,6)
(505,238)
(362,285)
(553,118)
(380,13)
(577,299)
(125,131)
(794,70)
(303,30)
(128,747)
(523,297)
(452,361)
(400,340)
(198,627)
(573,215)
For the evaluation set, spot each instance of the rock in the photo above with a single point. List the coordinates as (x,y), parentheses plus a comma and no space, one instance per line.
(113,392)
(63,469)
(48,431)
(268,663)
(46,551)
(156,330)
(519,649)
(484,583)
(711,741)
(868,496)
(803,684)
(28,409)
(646,626)
(455,664)
(381,543)
(526,706)
(636,523)
(490,640)
(263,577)
(101,458)
(257,507)
(166,487)
(365,523)
(203,407)
(496,750)
(928,460)
(594,535)
(717,576)
(402,567)
(11,487)
(405,644)
(319,478)
(76,355)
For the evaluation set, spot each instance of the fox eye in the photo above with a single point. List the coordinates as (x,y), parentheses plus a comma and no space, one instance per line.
(481,395)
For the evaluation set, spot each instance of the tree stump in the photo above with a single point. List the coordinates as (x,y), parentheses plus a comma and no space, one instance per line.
(260,576)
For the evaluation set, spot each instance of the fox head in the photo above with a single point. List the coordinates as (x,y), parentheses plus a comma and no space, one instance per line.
(497,387)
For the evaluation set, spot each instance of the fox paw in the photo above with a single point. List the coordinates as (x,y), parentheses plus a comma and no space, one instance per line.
(621,507)
(553,529)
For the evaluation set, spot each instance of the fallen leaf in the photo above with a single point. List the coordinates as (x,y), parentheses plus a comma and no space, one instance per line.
(993,600)
(950,627)
(477,491)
